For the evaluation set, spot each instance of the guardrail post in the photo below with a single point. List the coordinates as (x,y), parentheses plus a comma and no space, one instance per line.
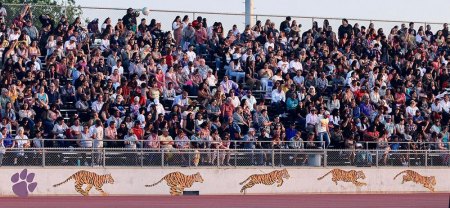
(273,158)
(235,158)
(235,155)
(162,158)
(103,157)
(426,158)
(281,158)
(256,18)
(92,157)
(325,157)
(43,157)
(218,157)
(376,157)
(142,158)
(193,16)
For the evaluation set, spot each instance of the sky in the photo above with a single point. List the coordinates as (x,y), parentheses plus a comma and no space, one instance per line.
(399,10)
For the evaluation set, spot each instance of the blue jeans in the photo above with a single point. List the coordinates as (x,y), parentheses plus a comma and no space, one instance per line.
(218,62)
(323,136)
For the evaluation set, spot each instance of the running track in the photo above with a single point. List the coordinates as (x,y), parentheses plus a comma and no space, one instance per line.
(424,200)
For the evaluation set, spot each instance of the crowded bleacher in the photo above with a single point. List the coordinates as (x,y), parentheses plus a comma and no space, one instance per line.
(274,85)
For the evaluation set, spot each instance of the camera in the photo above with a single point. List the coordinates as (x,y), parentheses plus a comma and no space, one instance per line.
(135,13)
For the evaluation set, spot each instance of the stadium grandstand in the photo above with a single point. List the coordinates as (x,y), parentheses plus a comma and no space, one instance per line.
(94,93)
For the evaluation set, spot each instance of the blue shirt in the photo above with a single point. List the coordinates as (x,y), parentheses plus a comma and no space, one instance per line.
(249,142)
(290,133)
(356,112)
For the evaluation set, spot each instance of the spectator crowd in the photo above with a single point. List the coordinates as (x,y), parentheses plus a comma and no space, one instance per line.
(200,85)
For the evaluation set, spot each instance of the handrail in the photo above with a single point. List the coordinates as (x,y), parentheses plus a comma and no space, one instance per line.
(239,14)
(148,157)
(117,140)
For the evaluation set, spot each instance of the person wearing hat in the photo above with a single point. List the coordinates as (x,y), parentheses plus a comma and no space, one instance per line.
(187,37)
(166,143)
(166,140)
(31,30)
(250,141)
(70,45)
(311,119)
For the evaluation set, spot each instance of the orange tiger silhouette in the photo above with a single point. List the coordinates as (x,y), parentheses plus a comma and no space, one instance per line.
(91,179)
(346,176)
(427,181)
(266,179)
(177,182)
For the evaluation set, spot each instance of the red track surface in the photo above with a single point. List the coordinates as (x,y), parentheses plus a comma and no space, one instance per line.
(260,201)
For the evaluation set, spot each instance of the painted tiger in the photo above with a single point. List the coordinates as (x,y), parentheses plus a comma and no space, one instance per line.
(427,181)
(178,182)
(91,179)
(266,179)
(346,176)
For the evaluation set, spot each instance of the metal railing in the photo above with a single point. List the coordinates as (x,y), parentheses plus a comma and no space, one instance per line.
(144,157)
(162,15)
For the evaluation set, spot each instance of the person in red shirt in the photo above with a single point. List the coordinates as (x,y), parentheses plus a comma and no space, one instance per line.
(139,133)
(227,109)
(169,58)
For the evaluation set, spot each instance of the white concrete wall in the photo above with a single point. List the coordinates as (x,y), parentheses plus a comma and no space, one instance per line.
(225,181)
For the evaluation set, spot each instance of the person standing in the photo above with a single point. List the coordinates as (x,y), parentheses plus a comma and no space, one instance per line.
(22,143)
(131,143)
(85,142)
(177,28)
(322,130)
(2,145)
(97,134)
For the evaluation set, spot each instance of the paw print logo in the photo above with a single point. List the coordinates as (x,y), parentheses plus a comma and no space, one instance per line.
(23,183)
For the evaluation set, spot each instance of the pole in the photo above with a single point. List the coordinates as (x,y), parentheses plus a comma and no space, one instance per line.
(249,12)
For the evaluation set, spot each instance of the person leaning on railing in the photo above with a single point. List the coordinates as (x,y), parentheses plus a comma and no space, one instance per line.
(166,144)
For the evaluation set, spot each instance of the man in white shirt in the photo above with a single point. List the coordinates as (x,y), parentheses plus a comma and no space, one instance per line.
(191,54)
(15,35)
(375,96)
(245,56)
(436,106)
(445,104)
(278,95)
(181,100)
(295,65)
(311,119)
(97,133)
(445,109)
(98,104)
(158,105)
(270,43)
(118,66)
(71,44)
(284,65)
(251,100)
(412,109)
